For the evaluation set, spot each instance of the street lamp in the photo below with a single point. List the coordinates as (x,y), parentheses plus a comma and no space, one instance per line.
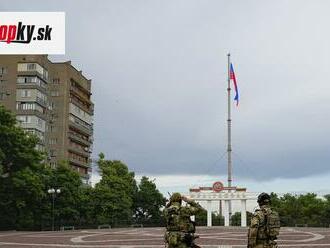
(53,192)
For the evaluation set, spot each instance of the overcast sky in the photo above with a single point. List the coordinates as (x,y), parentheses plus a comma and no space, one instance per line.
(158,70)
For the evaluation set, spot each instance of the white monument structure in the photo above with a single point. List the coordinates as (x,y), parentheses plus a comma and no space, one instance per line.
(218,193)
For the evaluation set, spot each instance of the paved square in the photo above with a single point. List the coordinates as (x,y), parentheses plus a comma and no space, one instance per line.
(215,237)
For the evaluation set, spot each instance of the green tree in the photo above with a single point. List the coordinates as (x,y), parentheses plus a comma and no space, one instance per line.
(25,179)
(305,209)
(217,219)
(326,211)
(275,200)
(236,218)
(113,198)
(147,203)
(86,207)
(17,148)
(22,188)
(68,202)
(311,209)
(201,218)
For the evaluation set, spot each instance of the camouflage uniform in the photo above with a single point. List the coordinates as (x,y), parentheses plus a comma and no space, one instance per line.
(179,227)
(258,236)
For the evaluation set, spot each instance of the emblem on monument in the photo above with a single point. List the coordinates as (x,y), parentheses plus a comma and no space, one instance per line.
(217,186)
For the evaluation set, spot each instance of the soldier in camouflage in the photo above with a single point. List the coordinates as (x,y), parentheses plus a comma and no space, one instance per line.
(180,229)
(265,225)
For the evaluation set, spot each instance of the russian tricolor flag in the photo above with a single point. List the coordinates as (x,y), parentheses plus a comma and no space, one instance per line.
(233,77)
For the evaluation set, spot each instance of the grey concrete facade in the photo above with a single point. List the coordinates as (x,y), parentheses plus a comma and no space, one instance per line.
(53,101)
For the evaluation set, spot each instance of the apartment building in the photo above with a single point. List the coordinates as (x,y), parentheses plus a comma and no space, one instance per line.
(52,101)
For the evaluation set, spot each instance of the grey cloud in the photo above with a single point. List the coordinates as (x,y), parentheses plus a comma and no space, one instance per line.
(159,82)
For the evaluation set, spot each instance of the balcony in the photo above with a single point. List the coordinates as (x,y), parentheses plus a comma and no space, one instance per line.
(80,95)
(83,129)
(32,73)
(89,111)
(31,86)
(79,151)
(41,101)
(79,139)
(77,162)
(37,113)
(25,125)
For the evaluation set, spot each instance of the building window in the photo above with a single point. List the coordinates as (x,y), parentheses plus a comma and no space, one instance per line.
(21,80)
(56,80)
(3,70)
(78,157)
(41,96)
(40,122)
(24,119)
(52,153)
(25,93)
(54,93)
(31,80)
(25,106)
(29,106)
(28,119)
(51,106)
(31,66)
(53,141)
(45,74)
(52,129)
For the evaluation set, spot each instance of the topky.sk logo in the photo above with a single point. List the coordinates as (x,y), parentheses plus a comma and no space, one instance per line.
(32,33)
(22,33)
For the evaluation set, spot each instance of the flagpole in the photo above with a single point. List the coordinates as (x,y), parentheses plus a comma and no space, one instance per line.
(229,139)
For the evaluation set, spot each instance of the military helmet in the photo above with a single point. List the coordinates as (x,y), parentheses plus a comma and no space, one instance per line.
(263,198)
(176,197)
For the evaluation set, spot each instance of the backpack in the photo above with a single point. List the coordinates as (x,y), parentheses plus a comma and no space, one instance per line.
(272,224)
(172,219)
(178,219)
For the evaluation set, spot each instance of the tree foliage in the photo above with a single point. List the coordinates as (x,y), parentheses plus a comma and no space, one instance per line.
(201,219)
(303,209)
(236,218)
(22,187)
(25,179)
(147,203)
(17,148)
(298,209)
(114,193)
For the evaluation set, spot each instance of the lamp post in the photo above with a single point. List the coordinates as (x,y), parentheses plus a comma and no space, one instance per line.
(53,192)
